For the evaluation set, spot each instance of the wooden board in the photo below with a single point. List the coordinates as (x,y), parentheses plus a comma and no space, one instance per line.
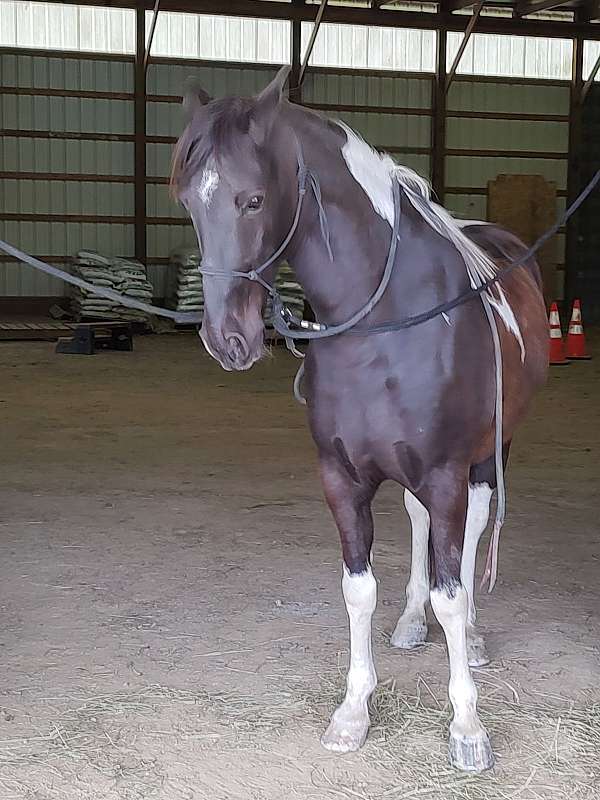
(526,205)
(17,330)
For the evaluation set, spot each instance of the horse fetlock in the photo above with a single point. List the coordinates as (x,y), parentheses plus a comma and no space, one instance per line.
(476,649)
(410,632)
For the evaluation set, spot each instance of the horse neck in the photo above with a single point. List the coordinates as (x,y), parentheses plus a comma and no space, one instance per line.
(359,237)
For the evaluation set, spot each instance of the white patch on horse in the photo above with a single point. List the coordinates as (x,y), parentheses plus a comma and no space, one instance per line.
(208,184)
(411,628)
(350,721)
(470,748)
(466,223)
(374,172)
(478,512)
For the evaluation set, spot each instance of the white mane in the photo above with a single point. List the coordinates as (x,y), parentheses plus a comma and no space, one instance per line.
(375,171)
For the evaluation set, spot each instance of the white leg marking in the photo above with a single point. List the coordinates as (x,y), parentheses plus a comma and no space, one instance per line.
(350,722)
(478,513)
(411,629)
(470,747)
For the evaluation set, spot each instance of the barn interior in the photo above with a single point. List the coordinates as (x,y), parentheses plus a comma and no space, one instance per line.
(171,619)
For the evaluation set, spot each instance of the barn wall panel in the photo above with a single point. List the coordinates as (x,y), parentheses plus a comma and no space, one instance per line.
(501,126)
(52,108)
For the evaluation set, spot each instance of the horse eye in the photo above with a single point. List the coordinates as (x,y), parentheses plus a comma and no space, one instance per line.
(255,202)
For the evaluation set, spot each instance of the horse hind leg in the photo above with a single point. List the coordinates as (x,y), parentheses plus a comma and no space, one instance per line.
(482,482)
(411,628)
(478,512)
(446,500)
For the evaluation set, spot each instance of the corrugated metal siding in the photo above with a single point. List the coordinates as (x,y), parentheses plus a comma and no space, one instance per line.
(68,156)
(65,155)
(178,35)
(221,38)
(537,137)
(371,47)
(505,97)
(512,56)
(66,27)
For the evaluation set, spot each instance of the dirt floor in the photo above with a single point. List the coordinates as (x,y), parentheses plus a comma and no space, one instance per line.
(171,622)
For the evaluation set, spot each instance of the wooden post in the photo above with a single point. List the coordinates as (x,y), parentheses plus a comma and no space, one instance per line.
(573,169)
(438,132)
(296,43)
(140,133)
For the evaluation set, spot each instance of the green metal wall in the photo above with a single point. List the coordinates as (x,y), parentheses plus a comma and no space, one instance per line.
(76,115)
(64,116)
(523,127)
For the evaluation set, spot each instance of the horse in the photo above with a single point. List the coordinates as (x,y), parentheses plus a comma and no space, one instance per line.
(415,405)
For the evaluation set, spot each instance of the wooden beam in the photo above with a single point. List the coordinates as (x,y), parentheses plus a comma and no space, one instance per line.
(588,84)
(295,87)
(139,131)
(151,34)
(574,168)
(590,10)
(438,131)
(464,43)
(357,15)
(525,7)
(458,5)
(312,40)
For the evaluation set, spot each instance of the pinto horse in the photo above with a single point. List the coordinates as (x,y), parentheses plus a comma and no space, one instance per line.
(416,406)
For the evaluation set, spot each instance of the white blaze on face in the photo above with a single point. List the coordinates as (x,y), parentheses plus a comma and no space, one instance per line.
(208,184)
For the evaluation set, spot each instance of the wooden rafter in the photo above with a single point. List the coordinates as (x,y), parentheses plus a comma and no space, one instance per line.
(464,43)
(590,10)
(367,15)
(457,5)
(526,7)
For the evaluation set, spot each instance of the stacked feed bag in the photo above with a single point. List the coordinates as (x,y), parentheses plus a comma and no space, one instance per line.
(186,293)
(124,276)
(132,282)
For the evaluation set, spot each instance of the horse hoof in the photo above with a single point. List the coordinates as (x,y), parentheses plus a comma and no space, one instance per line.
(476,650)
(409,635)
(471,753)
(344,737)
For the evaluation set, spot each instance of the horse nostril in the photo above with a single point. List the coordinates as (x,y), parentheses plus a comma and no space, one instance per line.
(237,349)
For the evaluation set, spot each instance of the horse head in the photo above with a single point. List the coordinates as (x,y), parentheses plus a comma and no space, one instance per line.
(235,173)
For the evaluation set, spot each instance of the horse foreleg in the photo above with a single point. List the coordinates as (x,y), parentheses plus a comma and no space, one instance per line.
(350,503)
(446,500)
(478,513)
(411,628)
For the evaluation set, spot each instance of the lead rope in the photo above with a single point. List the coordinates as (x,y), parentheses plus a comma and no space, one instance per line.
(491,566)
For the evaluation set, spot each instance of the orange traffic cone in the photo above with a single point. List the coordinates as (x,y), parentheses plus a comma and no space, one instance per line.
(557,353)
(575,339)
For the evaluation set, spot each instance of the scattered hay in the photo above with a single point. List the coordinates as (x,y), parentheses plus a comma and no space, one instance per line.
(547,749)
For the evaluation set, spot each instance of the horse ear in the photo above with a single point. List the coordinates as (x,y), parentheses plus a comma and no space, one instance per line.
(194,97)
(266,106)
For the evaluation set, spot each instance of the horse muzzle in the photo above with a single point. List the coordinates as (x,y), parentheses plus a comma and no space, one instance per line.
(231,349)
